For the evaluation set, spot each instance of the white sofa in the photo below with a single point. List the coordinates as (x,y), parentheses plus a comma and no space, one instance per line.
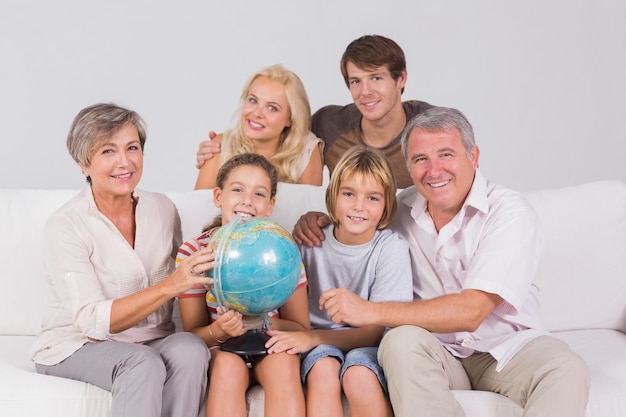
(583,294)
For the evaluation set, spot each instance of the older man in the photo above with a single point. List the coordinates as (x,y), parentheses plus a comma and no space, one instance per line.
(474,322)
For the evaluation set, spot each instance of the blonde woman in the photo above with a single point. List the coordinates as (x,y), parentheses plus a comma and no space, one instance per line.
(273,120)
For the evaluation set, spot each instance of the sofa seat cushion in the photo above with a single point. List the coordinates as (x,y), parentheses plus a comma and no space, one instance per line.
(603,350)
(24,393)
(486,404)
(474,403)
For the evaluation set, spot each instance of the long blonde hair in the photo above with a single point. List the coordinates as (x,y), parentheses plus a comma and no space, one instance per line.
(291,142)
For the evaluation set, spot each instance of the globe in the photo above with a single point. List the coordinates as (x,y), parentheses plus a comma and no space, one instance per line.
(257,265)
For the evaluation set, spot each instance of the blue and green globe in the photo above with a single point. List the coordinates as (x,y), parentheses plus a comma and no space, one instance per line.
(257,265)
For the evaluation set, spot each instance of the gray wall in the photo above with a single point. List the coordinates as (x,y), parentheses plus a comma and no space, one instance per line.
(543,82)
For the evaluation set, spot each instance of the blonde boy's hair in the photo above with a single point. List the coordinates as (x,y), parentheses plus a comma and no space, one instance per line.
(367,163)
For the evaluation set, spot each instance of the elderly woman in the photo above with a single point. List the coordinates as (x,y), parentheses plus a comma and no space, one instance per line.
(110,256)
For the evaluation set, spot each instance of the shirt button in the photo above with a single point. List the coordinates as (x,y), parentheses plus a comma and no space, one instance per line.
(450,287)
(466,343)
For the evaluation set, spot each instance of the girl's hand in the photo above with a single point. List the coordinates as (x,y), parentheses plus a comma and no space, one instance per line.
(231,322)
(290,342)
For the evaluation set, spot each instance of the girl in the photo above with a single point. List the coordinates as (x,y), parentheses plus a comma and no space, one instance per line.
(274,119)
(246,185)
(362,256)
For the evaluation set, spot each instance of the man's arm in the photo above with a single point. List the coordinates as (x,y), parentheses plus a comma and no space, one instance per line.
(445,314)
(308,228)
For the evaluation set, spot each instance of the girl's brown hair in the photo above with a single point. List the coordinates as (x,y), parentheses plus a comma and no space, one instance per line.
(243,159)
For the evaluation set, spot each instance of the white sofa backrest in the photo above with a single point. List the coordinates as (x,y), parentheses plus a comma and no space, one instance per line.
(23,213)
(582,278)
(23,288)
(291,202)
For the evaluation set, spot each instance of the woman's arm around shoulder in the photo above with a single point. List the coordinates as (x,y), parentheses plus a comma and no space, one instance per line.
(314,171)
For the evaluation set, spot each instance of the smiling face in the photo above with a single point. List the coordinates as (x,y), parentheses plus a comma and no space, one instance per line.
(375,93)
(266,111)
(247,192)
(359,207)
(441,169)
(116,166)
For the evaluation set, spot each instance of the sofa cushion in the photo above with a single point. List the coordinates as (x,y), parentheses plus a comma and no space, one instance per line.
(604,350)
(24,393)
(23,214)
(292,200)
(582,278)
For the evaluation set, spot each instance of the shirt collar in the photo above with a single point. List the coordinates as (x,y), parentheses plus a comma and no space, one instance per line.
(476,198)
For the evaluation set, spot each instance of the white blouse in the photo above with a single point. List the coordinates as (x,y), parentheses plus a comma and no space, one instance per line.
(89,264)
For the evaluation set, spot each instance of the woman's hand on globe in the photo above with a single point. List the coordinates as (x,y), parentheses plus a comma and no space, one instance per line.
(231,322)
(190,272)
(290,342)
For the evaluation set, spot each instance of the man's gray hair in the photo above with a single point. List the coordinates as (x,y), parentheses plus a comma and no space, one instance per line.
(439,118)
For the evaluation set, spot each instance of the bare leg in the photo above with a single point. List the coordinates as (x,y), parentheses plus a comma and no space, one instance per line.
(279,375)
(229,378)
(323,390)
(364,393)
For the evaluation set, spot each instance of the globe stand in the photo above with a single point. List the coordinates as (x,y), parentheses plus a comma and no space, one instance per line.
(253,341)
(250,343)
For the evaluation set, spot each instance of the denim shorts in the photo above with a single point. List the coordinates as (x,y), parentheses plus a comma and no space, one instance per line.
(364,356)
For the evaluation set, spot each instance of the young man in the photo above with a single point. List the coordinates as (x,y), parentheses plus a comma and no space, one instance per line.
(474,322)
(374,70)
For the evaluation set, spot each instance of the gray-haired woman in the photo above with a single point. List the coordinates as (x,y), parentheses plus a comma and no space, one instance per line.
(110,256)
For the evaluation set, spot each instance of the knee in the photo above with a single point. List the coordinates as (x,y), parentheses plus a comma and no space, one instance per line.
(569,366)
(325,374)
(359,381)
(144,362)
(402,341)
(186,353)
(226,366)
(281,367)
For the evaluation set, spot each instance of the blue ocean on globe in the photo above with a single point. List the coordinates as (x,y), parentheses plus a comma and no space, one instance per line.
(257,265)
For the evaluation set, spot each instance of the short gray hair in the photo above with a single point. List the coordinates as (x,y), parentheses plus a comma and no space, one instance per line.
(96,124)
(439,118)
